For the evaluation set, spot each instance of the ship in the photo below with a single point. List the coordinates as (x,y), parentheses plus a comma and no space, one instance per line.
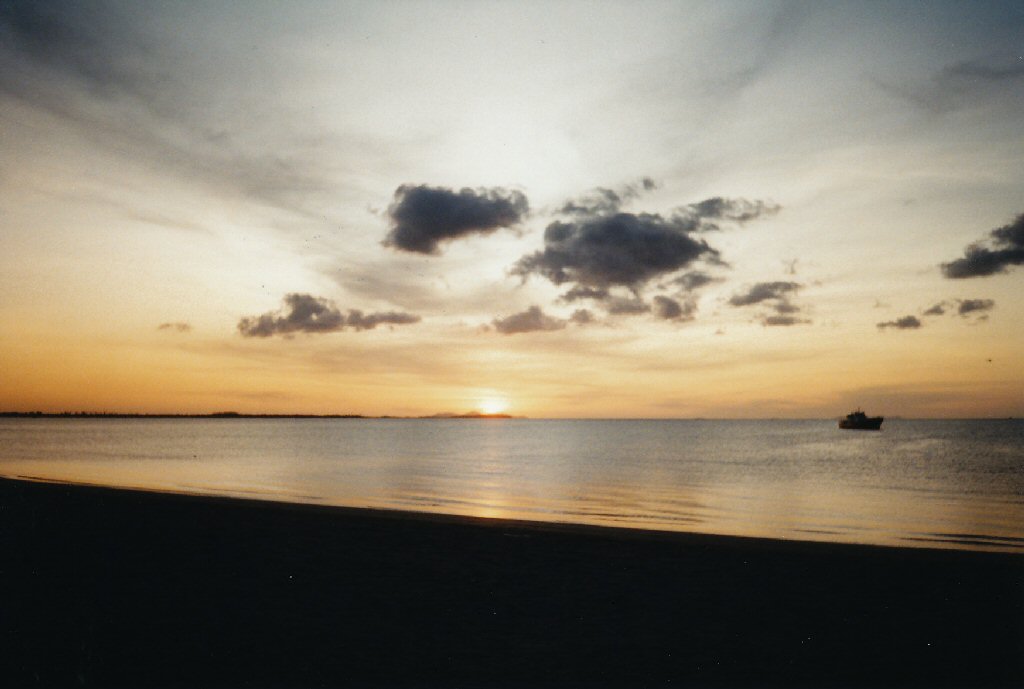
(859,421)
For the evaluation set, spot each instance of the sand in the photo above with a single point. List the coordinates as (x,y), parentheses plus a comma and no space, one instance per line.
(106,587)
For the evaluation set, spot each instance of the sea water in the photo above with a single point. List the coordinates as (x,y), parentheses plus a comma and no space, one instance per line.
(935,483)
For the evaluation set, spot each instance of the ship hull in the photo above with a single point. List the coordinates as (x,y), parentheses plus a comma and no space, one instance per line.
(873,424)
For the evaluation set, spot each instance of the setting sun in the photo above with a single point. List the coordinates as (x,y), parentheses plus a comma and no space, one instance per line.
(493,405)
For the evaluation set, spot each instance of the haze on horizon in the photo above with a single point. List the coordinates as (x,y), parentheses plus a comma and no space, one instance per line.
(549,209)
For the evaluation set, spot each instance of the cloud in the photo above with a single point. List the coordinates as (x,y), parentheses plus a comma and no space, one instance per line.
(782,320)
(599,247)
(531,320)
(177,327)
(936,310)
(359,321)
(975,306)
(965,84)
(775,295)
(905,323)
(694,280)
(577,293)
(764,291)
(705,214)
(423,217)
(621,249)
(308,314)
(669,309)
(1005,248)
(623,306)
(582,316)
(603,201)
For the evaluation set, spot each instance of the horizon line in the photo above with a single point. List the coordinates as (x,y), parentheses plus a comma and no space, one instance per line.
(444,416)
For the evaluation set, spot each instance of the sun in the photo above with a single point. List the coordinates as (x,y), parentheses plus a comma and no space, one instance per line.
(493,405)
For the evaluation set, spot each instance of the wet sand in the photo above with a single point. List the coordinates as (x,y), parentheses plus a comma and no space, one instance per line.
(107,587)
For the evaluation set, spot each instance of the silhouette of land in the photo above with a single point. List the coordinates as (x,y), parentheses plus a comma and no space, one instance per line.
(234,415)
(107,587)
(214,415)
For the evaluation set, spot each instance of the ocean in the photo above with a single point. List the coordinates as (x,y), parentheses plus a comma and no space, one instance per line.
(924,483)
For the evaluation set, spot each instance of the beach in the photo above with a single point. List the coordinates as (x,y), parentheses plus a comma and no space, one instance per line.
(108,587)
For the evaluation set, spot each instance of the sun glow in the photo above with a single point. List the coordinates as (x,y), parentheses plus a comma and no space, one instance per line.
(493,405)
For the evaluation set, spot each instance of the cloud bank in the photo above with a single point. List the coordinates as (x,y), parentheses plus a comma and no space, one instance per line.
(304,313)
(1004,247)
(612,257)
(423,217)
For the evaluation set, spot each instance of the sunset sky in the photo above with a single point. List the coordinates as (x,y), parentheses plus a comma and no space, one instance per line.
(554,209)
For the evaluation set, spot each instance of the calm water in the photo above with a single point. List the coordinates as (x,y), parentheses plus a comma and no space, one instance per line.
(956,484)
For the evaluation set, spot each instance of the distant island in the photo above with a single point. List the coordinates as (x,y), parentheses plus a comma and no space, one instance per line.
(234,415)
(469,415)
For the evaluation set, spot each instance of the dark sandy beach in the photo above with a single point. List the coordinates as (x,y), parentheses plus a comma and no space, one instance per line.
(104,587)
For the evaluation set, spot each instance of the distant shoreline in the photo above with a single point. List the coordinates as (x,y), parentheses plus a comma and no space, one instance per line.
(234,415)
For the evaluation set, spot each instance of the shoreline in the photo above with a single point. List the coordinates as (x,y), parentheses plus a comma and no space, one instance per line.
(569,528)
(120,587)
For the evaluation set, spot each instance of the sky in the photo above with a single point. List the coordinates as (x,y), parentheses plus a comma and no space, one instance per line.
(549,209)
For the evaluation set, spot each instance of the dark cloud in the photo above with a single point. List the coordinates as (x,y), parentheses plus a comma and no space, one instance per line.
(937,309)
(308,314)
(603,246)
(623,306)
(905,323)
(303,313)
(975,306)
(669,309)
(582,316)
(765,291)
(785,306)
(622,249)
(357,320)
(694,280)
(602,201)
(177,327)
(775,295)
(705,214)
(423,217)
(782,320)
(531,320)
(610,256)
(1004,247)
(577,293)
